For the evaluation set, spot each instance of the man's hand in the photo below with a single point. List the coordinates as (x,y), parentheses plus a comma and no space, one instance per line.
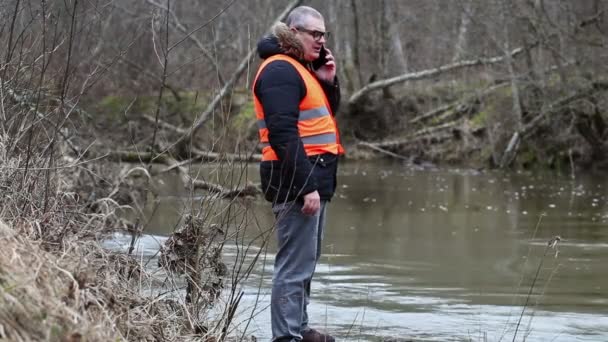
(312,203)
(328,71)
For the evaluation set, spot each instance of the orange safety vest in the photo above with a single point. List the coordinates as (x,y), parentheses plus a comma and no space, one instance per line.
(316,125)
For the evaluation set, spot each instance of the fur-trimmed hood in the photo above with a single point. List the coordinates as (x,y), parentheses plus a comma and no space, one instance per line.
(280,40)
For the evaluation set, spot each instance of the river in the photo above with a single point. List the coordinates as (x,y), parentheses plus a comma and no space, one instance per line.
(439,255)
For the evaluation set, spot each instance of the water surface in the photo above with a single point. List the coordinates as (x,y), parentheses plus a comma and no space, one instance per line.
(448,255)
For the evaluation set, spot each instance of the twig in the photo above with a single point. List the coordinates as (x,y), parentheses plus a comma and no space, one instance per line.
(381,150)
(216,189)
(213,156)
(551,244)
(190,34)
(413,137)
(164,124)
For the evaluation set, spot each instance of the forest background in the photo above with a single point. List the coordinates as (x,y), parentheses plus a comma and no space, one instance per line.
(85,83)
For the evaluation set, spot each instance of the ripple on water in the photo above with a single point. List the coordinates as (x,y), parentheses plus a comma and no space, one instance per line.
(146,245)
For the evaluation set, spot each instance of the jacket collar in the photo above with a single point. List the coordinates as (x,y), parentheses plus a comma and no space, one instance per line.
(281,40)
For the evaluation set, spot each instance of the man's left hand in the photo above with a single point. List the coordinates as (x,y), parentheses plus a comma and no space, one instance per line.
(327,72)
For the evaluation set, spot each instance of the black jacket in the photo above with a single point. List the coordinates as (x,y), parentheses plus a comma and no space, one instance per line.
(280,89)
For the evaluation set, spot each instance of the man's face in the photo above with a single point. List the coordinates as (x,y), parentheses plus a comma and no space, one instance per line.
(310,36)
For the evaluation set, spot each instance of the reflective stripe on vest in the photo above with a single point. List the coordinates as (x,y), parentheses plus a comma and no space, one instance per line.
(325,138)
(304,115)
(316,125)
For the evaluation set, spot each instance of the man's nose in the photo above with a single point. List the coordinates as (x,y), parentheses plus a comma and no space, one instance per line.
(322,40)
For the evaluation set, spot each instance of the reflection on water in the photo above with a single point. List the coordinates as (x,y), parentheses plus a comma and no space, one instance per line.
(442,255)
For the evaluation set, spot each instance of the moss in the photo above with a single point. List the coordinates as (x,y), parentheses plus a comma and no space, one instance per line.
(113,106)
(526,158)
(503,92)
(189,105)
(117,107)
(479,120)
(57,332)
(245,117)
(490,108)
(486,155)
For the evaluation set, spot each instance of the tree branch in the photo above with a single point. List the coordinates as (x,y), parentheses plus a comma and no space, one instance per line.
(511,151)
(429,73)
(190,36)
(228,86)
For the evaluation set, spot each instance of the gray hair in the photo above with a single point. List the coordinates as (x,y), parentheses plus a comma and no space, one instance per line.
(297,17)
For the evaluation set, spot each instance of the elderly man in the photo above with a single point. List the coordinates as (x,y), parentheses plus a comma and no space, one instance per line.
(296,94)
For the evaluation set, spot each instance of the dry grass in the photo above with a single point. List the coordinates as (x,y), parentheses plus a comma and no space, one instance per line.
(83,292)
(59,199)
(57,282)
(52,298)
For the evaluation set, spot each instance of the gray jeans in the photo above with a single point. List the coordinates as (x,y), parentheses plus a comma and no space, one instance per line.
(299,247)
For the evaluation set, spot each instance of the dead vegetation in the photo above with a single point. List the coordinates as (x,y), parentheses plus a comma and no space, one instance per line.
(64,186)
(83,293)
(58,204)
(474,127)
(57,282)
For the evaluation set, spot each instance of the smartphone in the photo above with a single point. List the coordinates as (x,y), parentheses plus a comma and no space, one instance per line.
(319,62)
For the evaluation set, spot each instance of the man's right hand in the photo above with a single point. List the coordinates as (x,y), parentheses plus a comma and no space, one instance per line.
(327,72)
(312,203)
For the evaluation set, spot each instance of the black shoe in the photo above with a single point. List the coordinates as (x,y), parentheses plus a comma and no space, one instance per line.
(311,335)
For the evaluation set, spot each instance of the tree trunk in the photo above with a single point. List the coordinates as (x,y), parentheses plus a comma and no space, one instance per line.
(517,109)
(465,22)
(355,48)
(394,45)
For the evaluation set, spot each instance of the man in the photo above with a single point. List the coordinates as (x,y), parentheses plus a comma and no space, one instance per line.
(296,94)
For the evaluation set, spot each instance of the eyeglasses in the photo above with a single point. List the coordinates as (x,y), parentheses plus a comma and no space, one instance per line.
(316,35)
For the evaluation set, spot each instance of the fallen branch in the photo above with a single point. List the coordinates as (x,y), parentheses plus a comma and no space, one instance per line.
(534,123)
(230,157)
(457,104)
(407,141)
(511,151)
(216,189)
(434,112)
(135,157)
(429,73)
(214,156)
(149,157)
(163,158)
(381,150)
(476,95)
(165,124)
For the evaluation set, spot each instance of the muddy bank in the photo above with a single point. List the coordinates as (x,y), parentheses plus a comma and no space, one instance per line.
(466,124)
(473,125)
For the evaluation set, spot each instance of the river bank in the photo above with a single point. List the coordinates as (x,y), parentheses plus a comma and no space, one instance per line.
(461,123)
(57,280)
